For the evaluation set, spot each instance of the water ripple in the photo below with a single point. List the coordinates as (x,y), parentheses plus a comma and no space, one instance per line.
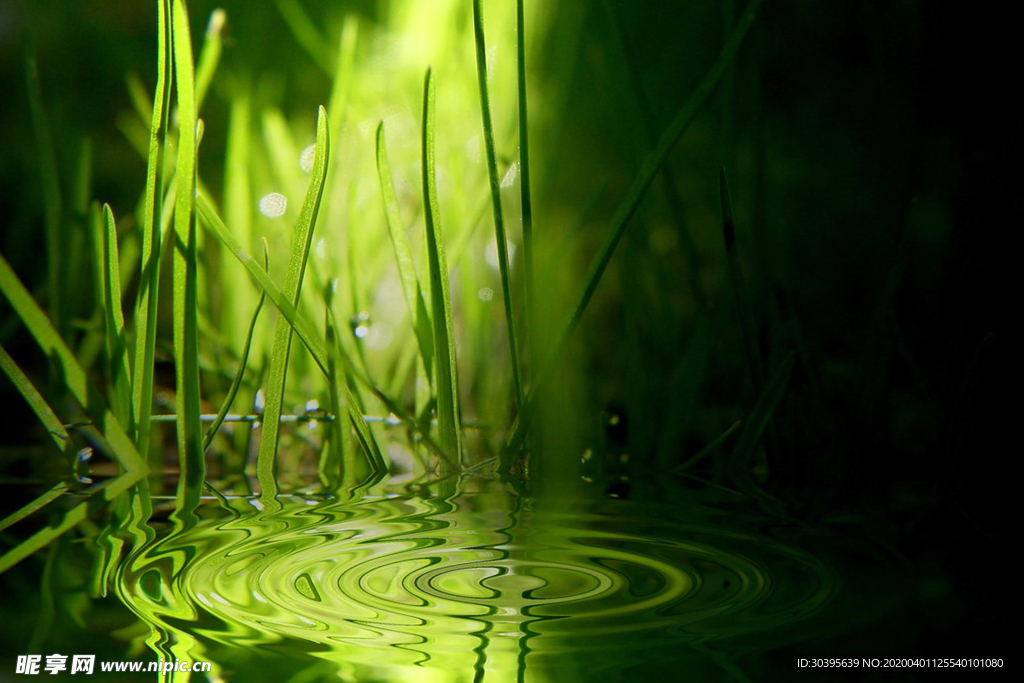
(406,582)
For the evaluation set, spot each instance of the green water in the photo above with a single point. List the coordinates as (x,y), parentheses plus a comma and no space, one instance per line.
(474,587)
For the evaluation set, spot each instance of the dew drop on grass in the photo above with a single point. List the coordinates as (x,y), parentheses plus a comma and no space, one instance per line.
(485,294)
(321,249)
(261,401)
(273,205)
(306,158)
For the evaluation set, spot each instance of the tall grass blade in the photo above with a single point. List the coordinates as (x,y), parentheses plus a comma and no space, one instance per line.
(209,56)
(52,200)
(267,455)
(146,307)
(495,183)
(186,267)
(526,199)
(448,415)
(627,209)
(403,256)
(343,71)
(117,341)
(744,313)
(36,401)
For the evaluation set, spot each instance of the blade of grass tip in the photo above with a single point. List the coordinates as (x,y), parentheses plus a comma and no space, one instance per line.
(495,183)
(36,401)
(72,374)
(744,313)
(448,417)
(117,342)
(403,255)
(299,324)
(210,54)
(185,268)
(149,281)
(343,70)
(526,199)
(52,201)
(266,458)
(631,202)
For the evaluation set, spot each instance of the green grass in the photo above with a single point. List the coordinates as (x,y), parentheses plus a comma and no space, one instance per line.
(386,282)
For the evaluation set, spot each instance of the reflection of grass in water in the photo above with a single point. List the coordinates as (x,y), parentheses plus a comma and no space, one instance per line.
(406,587)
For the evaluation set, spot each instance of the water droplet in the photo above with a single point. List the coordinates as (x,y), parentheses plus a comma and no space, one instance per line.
(321,248)
(306,158)
(312,404)
(485,294)
(261,401)
(273,205)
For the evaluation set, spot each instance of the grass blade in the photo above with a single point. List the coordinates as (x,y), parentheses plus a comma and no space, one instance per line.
(147,304)
(524,170)
(492,176)
(117,341)
(627,209)
(448,417)
(36,401)
(338,459)
(71,518)
(301,240)
(403,256)
(72,374)
(343,71)
(185,267)
(210,54)
(37,504)
(52,201)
